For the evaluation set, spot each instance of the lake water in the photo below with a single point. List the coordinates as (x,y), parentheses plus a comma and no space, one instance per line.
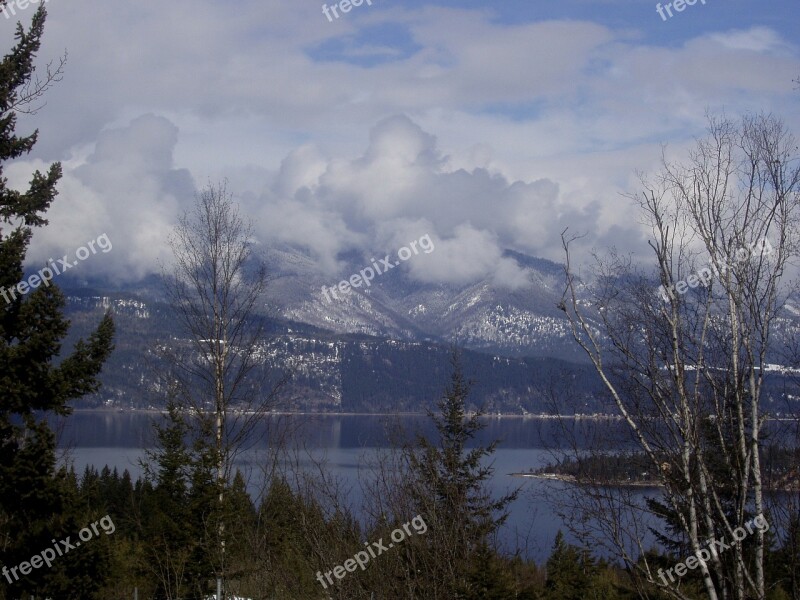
(347,442)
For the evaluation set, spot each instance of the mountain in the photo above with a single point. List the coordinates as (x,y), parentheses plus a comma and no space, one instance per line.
(479,316)
(329,371)
(384,348)
(339,372)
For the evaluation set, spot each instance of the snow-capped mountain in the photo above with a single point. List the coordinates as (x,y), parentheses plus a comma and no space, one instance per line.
(480,315)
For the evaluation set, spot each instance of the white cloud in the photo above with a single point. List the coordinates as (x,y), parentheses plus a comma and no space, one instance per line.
(495,132)
(127,189)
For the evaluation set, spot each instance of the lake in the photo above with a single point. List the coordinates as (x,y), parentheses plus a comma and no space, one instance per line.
(345,442)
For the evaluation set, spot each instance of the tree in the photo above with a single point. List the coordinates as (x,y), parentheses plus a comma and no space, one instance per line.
(36,504)
(566,573)
(166,519)
(446,483)
(686,365)
(215,288)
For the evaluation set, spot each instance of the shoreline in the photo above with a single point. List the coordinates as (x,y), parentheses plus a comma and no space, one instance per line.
(283,413)
(597,417)
(571,479)
(622,484)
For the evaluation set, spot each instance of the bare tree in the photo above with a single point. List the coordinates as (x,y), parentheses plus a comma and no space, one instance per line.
(215,288)
(686,364)
(32,90)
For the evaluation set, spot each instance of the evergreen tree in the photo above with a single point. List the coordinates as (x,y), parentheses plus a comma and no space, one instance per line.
(167,524)
(448,487)
(287,558)
(241,514)
(490,578)
(574,574)
(205,511)
(167,465)
(566,576)
(34,498)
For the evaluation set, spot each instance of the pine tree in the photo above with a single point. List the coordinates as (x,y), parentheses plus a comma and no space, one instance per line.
(167,524)
(34,498)
(206,512)
(566,576)
(574,574)
(490,578)
(286,557)
(448,486)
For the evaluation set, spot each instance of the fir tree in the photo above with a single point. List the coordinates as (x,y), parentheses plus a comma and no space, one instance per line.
(448,486)
(566,576)
(167,525)
(35,502)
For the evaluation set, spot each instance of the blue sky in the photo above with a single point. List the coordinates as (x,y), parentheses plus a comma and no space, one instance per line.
(782,16)
(486,125)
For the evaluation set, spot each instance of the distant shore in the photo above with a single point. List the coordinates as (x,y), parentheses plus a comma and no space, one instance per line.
(598,417)
(572,479)
(283,413)
(790,488)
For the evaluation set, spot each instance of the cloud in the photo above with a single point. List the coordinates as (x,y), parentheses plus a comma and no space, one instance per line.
(497,126)
(125,187)
(469,255)
(760,40)
(399,189)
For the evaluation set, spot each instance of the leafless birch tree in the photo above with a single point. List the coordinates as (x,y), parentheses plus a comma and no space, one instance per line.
(215,288)
(686,364)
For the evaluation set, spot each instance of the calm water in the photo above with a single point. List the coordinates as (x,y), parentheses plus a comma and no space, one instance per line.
(347,443)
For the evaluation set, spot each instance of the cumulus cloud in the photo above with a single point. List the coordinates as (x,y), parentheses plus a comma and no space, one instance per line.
(400,189)
(489,129)
(126,188)
(467,256)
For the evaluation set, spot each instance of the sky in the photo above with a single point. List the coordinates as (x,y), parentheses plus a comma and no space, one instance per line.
(486,125)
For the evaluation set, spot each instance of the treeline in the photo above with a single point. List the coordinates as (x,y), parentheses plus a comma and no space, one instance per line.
(780,469)
(276,548)
(175,531)
(165,544)
(178,532)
